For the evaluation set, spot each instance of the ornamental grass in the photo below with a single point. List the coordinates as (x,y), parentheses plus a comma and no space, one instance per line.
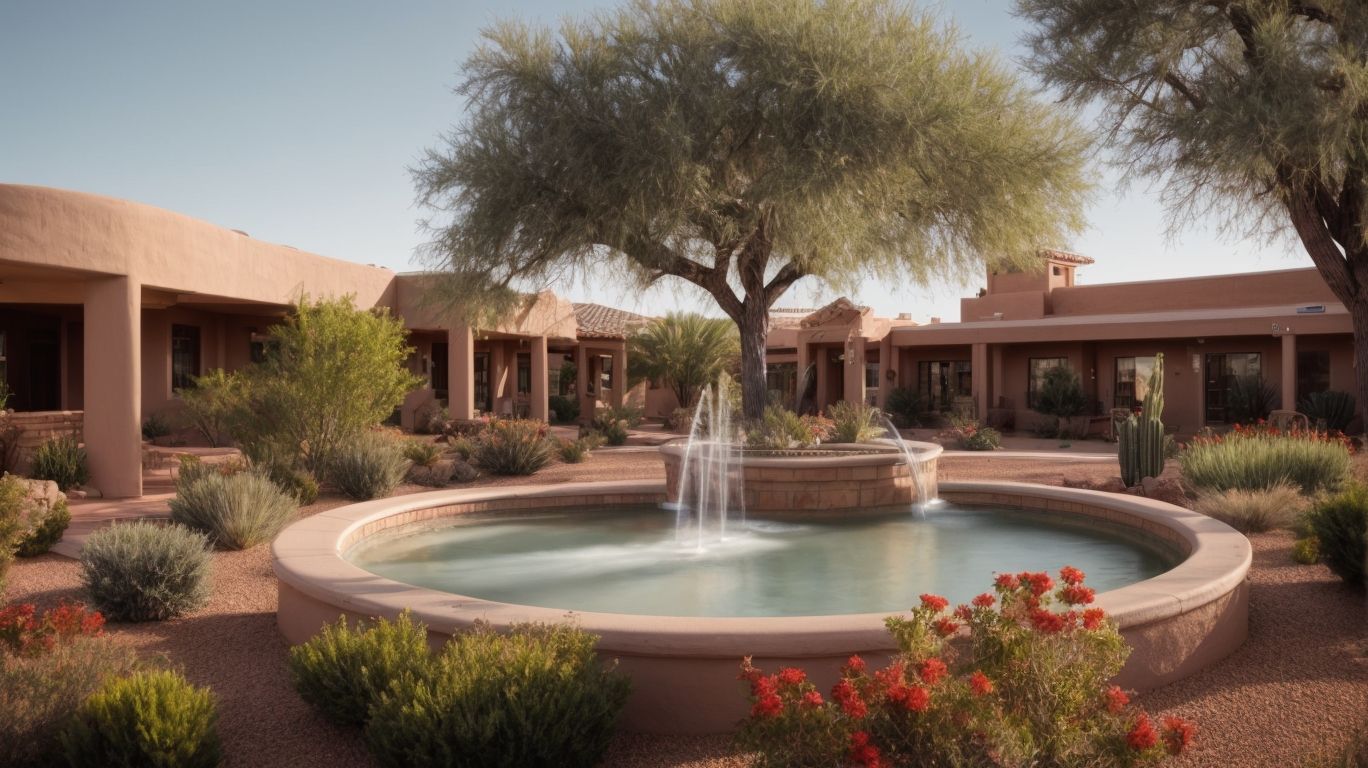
(1261,457)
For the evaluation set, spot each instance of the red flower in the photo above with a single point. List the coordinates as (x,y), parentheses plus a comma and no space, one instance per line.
(979,684)
(1040,583)
(984,600)
(1048,622)
(932,670)
(845,694)
(918,699)
(934,602)
(1116,699)
(1093,618)
(765,685)
(767,706)
(1077,594)
(1006,582)
(1178,734)
(1142,735)
(963,613)
(862,752)
(855,665)
(791,676)
(891,676)
(946,626)
(1070,575)
(811,700)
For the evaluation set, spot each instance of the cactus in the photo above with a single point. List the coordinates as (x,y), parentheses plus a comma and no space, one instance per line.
(1140,446)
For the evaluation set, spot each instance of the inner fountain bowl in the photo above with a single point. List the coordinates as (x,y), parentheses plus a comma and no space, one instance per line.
(801,590)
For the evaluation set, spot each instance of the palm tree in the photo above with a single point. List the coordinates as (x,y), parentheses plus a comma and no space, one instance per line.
(684,351)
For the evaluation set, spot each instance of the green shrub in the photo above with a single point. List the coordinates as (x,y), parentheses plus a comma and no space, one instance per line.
(513,447)
(212,405)
(573,451)
(632,415)
(565,407)
(1306,550)
(1340,524)
(855,422)
(146,572)
(684,352)
(1336,409)
(154,426)
(343,670)
(1061,396)
(38,693)
(154,719)
(61,460)
(46,524)
(1251,399)
(299,483)
(780,429)
(370,467)
(538,696)
(1253,511)
(422,453)
(13,498)
(236,511)
(463,446)
(614,430)
(680,419)
(970,435)
(1253,460)
(906,406)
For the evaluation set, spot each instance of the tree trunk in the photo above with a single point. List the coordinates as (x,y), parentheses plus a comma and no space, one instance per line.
(1358,315)
(753,325)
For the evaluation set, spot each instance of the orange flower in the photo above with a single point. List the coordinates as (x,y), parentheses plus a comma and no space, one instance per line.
(1117,699)
(932,670)
(1142,735)
(979,684)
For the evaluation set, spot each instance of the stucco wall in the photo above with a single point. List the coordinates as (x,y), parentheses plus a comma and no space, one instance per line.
(1257,289)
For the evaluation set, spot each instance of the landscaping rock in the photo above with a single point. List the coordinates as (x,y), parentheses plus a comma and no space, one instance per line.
(436,476)
(462,472)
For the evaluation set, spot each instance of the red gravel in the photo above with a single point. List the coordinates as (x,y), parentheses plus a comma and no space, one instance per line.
(1295,688)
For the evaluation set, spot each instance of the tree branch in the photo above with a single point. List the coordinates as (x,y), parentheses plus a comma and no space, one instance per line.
(1193,97)
(789,274)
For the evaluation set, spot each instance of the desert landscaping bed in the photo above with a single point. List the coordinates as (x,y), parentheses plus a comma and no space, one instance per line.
(1298,685)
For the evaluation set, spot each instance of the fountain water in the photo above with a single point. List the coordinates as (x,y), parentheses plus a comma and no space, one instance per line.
(924,481)
(711,479)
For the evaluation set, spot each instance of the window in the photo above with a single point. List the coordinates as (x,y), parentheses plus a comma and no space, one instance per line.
(185,356)
(605,372)
(944,380)
(524,373)
(782,378)
(1039,366)
(871,375)
(1132,379)
(1222,372)
(1313,371)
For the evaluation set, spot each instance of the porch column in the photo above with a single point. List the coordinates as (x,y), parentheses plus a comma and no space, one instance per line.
(885,358)
(978,374)
(855,370)
(461,372)
(819,398)
(800,387)
(1289,372)
(995,382)
(582,384)
(113,385)
(540,406)
(619,373)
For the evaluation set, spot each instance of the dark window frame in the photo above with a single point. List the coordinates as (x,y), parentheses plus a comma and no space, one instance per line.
(186,355)
(1128,399)
(1031,376)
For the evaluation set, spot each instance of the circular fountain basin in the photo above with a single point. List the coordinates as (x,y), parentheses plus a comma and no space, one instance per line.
(833,477)
(1182,604)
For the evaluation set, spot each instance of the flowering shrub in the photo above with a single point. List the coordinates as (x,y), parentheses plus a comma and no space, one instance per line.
(513,446)
(780,429)
(23,631)
(1023,682)
(855,422)
(1258,457)
(969,435)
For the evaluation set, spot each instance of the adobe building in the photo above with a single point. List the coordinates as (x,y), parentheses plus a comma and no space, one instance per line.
(108,307)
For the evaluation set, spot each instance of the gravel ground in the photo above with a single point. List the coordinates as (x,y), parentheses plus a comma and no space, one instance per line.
(1297,686)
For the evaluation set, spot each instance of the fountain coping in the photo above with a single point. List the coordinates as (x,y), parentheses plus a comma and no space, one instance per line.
(309,557)
(825,454)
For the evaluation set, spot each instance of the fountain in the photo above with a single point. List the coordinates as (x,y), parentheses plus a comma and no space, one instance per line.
(712,481)
(923,481)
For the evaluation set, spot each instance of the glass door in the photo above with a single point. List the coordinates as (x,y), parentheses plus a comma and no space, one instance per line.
(482,393)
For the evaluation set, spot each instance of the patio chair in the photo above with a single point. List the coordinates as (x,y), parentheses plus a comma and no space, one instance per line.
(1288,421)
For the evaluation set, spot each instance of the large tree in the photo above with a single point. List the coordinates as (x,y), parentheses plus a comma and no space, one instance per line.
(1254,110)
(743,145)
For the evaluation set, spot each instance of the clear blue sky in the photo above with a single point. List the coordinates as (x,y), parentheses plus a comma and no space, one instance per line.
(296,122)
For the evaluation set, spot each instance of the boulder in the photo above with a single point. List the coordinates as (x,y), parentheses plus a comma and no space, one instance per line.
(462,472)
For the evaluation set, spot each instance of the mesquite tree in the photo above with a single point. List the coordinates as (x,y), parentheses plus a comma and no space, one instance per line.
(743,146)
(1256,110)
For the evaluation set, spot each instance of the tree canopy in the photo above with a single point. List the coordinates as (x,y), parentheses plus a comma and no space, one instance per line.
(743,146)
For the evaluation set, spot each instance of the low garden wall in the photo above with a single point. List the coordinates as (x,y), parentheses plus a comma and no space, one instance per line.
(38,427)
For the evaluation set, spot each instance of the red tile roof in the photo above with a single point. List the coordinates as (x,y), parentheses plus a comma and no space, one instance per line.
(595,321)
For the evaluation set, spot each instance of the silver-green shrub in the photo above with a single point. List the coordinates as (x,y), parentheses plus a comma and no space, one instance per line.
(235,511)
(146,572)
(369,467)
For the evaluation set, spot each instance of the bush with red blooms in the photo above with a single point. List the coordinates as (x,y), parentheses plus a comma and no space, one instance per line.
(23,631)
(1018,677)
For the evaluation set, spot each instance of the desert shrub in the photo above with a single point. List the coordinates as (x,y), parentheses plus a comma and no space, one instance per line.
(573,451)
(334,371)
(1061,397)
(39,691)
(146,572)
(343,670)
(1306,550)
(154,426)
(1340,525)
(906,406)
(780,429)
(680,419)
(537,696)
(370,467)
(46,524)
(10,434)
(1251,399)
(855,422)
(1253,511)
(155,719)
(683,351)
(565,407)
(430,418)
(463,447)
(13,497)
(213,404)
(513,447)
(26,632)
(613,429)
(970,435)
(1334,408)
(631,415)
(1026,683)
(422,453)
(299,483)
(1259,458)
(235,511)
(61,460)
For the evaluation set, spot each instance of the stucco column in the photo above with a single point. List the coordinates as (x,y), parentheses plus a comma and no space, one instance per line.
(855,370)
(619,373)
(582,384)
(995,381)
(885,358)
(1289,372)
(113,385)
(978,373)
(540,406)
(823,360)
(804,360)
(461,372)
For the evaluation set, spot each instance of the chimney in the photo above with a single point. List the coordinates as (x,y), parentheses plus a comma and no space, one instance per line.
(904,315)
(935,321)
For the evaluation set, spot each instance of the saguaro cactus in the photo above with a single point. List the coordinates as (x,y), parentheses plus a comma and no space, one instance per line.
(1140,447)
